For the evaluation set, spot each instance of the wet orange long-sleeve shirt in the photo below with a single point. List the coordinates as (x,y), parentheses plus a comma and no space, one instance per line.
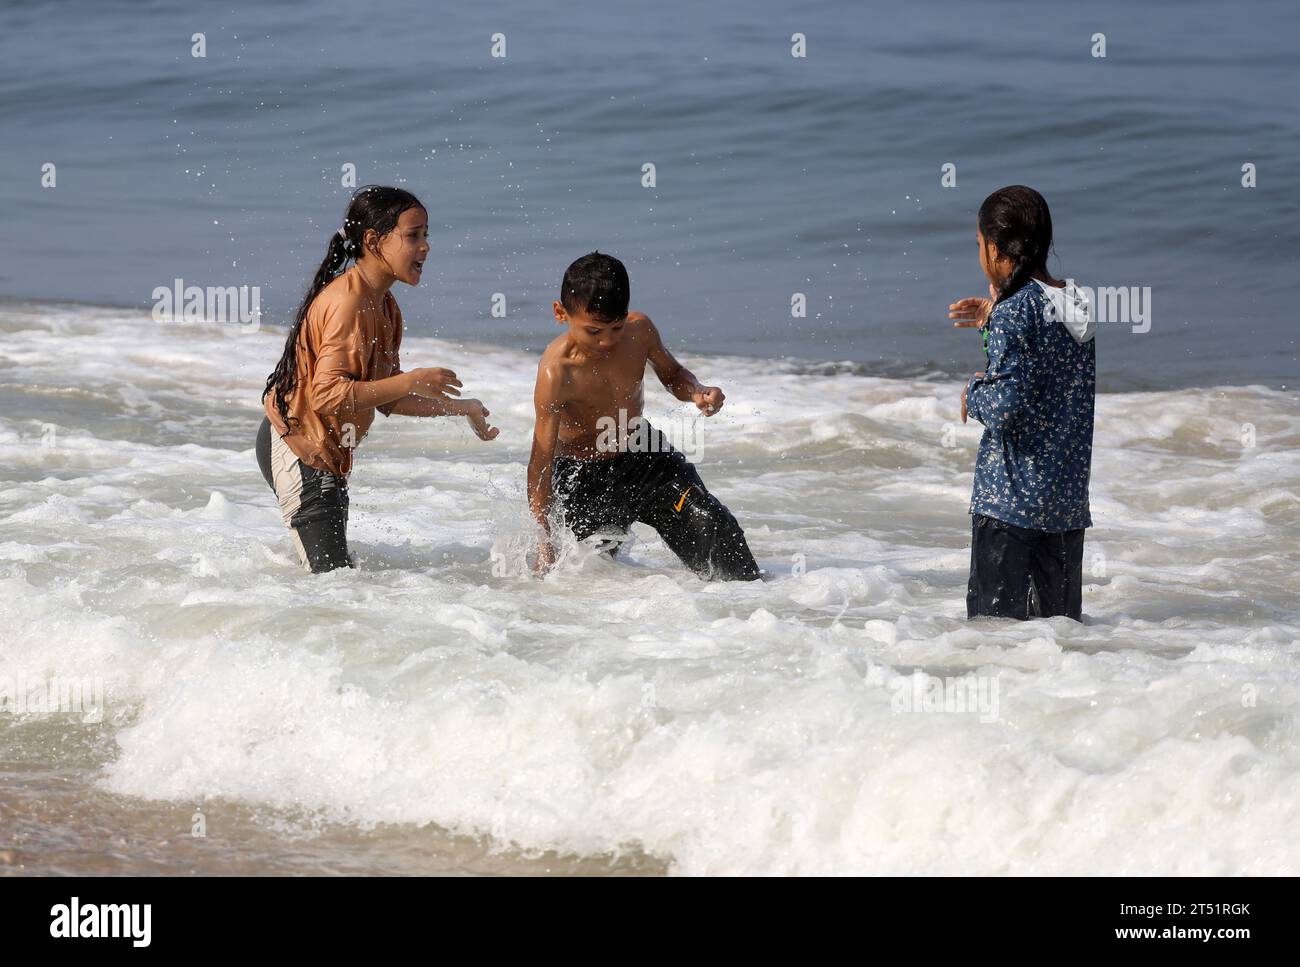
(348,335)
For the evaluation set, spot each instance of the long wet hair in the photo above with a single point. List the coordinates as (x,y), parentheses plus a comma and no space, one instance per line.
(1016,219)
(372,207)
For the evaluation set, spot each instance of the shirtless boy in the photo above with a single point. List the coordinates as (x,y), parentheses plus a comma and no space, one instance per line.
(605,481)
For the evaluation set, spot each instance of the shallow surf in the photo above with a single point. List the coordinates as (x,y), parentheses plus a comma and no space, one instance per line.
(437,710)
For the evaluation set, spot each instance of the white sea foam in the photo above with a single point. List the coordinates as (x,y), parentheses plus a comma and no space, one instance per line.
(725,727)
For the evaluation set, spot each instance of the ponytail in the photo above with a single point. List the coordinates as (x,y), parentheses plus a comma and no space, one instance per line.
(1020,275)
(372,207)
(284,379)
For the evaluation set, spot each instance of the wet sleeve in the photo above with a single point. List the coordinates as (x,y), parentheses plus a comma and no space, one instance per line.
(338,362)
(387,408)
(998,398)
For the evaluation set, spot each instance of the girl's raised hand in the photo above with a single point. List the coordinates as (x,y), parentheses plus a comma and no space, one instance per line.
(434,382)
(477,415)
(970,313)
(973,312)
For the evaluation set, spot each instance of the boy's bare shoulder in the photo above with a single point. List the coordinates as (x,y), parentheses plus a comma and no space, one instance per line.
(555,368)
(557,356)
(641,332)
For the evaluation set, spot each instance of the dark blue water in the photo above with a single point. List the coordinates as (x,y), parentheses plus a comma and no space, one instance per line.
(775,174)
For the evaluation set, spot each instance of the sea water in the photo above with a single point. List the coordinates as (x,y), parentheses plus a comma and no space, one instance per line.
(439,709)
(814,183)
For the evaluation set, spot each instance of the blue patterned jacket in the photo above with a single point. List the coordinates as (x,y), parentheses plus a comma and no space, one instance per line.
(1036,403)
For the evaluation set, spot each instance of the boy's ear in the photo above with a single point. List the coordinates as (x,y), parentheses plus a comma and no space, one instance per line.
(561,317)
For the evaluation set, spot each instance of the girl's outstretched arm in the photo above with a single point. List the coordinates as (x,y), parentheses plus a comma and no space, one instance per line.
(473,410)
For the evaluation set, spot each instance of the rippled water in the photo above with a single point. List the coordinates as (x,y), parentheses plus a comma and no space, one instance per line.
(775,174)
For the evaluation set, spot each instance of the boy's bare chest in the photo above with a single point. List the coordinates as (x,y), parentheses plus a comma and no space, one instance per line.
(609,379)
(603,390)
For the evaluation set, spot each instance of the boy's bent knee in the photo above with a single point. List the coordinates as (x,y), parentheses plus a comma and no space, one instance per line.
(705,535)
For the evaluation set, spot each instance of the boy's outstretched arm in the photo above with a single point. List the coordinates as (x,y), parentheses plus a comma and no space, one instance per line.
(679,380)
(546,433)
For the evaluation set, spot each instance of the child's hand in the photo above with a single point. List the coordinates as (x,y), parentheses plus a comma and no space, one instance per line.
(964,391)
(973,312)
(709,399)
(545,559)
(970,313)
(432,383)
(477,415)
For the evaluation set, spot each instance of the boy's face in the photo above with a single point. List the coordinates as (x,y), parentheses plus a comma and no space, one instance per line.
(592,335)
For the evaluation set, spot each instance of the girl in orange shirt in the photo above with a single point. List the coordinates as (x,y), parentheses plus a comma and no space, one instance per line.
(341,363)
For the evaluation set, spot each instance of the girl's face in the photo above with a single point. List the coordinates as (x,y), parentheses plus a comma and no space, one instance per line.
(403,250)
(995,266)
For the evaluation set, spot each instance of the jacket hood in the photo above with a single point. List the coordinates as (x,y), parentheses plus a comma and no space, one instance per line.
(1069,306)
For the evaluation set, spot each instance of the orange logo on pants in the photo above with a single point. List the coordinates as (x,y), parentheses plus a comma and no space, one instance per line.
(678,506)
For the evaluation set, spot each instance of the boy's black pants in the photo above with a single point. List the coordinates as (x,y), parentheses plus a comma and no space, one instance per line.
(660,488)
(1020,573)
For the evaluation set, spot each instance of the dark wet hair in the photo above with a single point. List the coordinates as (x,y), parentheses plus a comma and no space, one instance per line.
(596,284)
(1016,219)
(372,206)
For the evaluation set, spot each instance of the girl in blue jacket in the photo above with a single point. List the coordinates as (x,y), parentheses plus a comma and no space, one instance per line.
(1030,502)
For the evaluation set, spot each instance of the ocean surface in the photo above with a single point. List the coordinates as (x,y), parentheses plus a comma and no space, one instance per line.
(176,696)
(775,175)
